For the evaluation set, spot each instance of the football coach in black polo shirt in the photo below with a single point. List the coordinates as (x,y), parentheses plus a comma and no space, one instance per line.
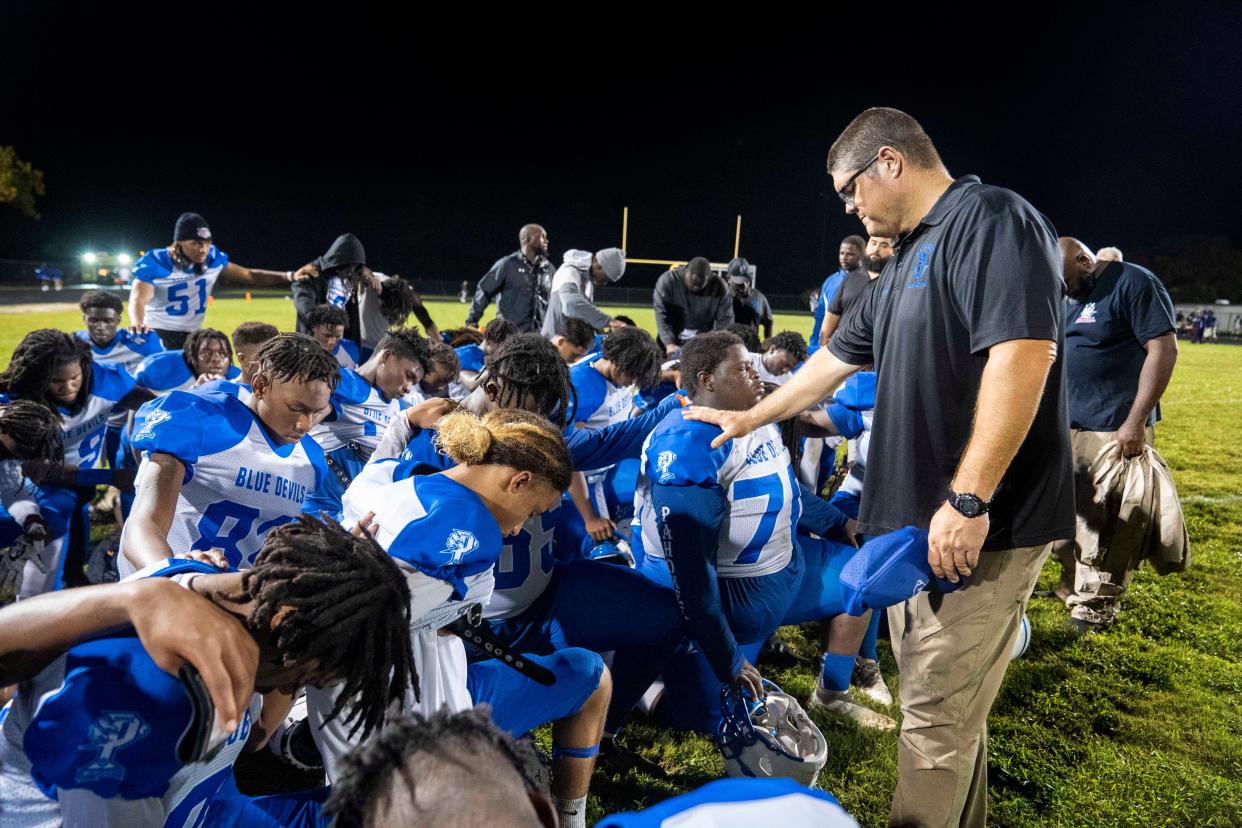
(970,439)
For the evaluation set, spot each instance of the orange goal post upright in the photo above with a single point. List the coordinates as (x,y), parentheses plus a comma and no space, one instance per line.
(719,268)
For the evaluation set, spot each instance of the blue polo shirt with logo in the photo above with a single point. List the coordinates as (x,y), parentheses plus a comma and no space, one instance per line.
(981,268)
(1106,328)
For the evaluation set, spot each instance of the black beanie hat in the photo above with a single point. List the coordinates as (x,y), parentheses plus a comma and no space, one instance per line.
(191,226)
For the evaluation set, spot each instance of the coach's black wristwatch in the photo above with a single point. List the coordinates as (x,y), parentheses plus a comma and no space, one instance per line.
(969,505)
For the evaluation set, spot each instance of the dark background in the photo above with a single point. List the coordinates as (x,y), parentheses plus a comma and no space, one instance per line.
(434,140)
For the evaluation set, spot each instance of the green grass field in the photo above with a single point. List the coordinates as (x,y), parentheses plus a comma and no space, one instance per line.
(1137,726)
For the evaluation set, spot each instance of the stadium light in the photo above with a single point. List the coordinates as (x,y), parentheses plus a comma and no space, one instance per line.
(123,259)
(89,258)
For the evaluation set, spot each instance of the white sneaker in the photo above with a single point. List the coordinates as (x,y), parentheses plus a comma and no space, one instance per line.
(870,681)
(840,702)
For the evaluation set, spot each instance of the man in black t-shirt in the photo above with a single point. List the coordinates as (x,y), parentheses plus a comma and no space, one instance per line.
(879,251)
(963,327)
(1120,350)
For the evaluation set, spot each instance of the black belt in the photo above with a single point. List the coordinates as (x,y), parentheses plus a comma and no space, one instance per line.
(471,627)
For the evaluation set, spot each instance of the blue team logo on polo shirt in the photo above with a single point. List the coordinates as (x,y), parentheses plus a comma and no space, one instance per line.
(111,731)
(922,263)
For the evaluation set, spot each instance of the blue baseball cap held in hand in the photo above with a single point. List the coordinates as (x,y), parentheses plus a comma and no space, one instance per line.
(888,570)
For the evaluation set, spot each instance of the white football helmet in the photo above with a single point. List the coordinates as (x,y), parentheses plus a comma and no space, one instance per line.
(770,737)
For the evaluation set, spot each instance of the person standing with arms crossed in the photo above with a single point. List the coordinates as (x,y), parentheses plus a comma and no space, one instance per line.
(964,330)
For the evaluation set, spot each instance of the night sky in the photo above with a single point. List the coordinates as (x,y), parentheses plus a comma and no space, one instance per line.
(434,142)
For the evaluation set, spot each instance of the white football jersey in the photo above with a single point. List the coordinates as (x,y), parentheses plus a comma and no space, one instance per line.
(362,414)
(239,484)
(180,299)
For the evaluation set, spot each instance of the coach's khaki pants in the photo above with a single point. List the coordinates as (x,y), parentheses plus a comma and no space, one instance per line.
(952,650)
(1100,580)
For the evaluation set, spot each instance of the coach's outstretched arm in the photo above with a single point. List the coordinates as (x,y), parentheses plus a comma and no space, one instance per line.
(816,379)
(174,624)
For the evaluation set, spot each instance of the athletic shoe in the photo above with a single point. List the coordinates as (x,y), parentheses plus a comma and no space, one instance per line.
(841,703)
(870,681)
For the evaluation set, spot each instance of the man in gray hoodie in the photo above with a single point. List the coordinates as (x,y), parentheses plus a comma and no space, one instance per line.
(573,289)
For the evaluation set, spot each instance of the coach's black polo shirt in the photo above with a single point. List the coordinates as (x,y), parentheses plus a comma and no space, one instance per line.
(981,268)
(1105,332)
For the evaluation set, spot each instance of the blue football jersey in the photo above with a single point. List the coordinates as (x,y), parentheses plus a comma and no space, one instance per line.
(167,371)
(599,402)
(360,415)
(754,473)
(180,299)
(83,430)
(238,485)
(347,354)
(93,739)
(741,803)
(126,349)
(429,524)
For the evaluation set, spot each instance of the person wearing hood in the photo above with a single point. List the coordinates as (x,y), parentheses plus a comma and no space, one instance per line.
(689,300)
(172,285)
(573,289)
(331,279)
(520,280)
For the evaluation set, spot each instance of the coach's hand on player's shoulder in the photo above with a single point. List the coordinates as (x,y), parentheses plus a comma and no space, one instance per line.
(732,423)
(212,557)
(954,541)
(749,680)
(428,412)
(176,625)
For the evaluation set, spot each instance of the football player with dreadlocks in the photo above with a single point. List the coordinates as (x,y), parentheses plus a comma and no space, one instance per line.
(219,473)
(55,369)
(99,734)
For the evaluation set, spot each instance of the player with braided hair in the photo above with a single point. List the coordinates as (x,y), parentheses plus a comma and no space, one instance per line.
(474,356)
(121,742)
(218,473)
(363,404)
(206,355)
(55,369)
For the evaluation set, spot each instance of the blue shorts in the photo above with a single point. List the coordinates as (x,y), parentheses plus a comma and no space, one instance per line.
(520,704)
(603,607)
